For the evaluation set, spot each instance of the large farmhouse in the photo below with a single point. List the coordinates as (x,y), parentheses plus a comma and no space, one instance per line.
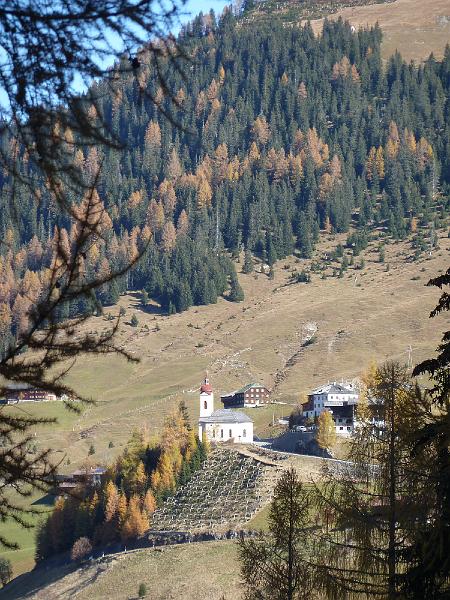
(338,399)
(249,396)
(329,396)
(222,425)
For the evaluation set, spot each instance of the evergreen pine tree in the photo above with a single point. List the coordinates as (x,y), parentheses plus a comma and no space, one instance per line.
(248,262)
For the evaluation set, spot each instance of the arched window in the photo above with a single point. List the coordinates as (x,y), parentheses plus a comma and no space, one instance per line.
(214,433)
(205,404)
(231,433)
(244,433)
(221,433)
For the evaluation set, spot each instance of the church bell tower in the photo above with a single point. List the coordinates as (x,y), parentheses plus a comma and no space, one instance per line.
(206,398)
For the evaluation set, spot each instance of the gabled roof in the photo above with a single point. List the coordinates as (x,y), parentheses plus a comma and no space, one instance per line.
(89,472)
(224,415)
(15,387)
(333,388)
(244,389)
(249,386)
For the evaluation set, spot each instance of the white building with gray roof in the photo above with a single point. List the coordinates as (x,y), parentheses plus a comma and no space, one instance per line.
(328,396)
(222,425)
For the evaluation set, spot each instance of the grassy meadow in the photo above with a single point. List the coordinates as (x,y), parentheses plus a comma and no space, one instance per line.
(373,314)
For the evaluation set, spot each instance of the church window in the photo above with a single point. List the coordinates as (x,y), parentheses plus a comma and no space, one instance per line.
(214,433)
(205,405)
(244,433)
(231,433)
(221,433)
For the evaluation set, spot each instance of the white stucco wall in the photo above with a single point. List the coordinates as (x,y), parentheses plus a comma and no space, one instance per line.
(206,404)
(240,433)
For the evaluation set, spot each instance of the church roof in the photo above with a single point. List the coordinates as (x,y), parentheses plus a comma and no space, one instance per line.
(223,415)
(206,388)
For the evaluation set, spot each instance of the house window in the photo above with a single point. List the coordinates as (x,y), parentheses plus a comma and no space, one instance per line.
(244,433)
(231,433)
(221,433)
(205,404)
(348,428)
(341,428)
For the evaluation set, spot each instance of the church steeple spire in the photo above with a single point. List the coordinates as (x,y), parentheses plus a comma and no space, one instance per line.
(206,398)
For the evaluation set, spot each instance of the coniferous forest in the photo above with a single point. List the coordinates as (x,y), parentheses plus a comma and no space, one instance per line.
(275,135)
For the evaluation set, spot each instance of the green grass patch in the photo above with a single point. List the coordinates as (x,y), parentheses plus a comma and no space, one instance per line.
(23,559)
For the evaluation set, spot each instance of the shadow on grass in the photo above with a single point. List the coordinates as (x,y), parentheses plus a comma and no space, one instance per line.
(29,584)
(47,500)
(151,308)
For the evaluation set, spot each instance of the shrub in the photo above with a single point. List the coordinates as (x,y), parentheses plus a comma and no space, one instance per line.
(81,548)
(134,321)
(303,277)
(91,450)
(142,591)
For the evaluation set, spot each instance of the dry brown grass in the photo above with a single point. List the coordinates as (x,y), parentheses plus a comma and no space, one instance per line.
(259,339)
(414,27)
(376,317)
(200,571)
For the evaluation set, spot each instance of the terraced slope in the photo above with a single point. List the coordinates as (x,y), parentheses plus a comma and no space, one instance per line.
(226,492)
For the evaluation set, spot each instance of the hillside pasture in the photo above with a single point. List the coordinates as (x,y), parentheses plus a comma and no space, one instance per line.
(413,27)
(371,314)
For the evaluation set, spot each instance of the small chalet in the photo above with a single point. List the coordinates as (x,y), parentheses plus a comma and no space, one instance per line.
(22,392)
(79,480)
(249,396)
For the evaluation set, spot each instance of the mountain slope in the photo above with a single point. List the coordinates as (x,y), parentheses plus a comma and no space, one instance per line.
(415,28)
(279,167)
(284,135)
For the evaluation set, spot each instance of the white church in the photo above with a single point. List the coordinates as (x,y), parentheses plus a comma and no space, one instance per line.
(223,425)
